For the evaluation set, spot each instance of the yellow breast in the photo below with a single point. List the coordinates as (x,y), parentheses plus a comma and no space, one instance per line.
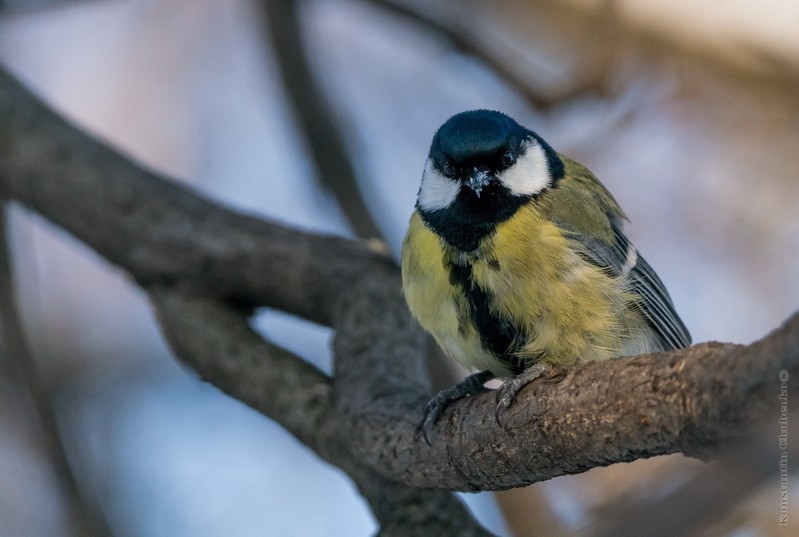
(566,309)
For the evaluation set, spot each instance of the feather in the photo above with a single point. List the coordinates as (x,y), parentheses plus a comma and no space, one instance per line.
(617,256)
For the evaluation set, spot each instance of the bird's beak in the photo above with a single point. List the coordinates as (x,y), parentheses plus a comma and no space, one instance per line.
(478,180)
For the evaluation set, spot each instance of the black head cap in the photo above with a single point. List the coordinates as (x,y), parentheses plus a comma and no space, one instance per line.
(476,135)
(483,137)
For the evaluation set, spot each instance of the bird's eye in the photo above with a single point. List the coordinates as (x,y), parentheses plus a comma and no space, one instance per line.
(507,158)
(448,169)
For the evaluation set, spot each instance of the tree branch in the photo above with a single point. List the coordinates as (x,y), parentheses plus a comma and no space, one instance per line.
(160,230)
(314,114)
(712,494)
(84,516)
(694,400)
(218,343)
(25,6)
(457,27)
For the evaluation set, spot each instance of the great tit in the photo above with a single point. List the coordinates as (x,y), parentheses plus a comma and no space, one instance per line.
(516,260)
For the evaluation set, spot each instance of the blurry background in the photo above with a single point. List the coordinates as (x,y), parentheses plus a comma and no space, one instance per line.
(687,111)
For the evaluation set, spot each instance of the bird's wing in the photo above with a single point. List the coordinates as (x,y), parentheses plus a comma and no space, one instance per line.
(598,229)
(621,259)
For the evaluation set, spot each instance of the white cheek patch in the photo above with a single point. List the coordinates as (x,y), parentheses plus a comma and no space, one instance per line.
(437,191)
(529,175)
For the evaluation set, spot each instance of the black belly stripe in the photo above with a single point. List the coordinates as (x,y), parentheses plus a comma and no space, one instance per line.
(497,335)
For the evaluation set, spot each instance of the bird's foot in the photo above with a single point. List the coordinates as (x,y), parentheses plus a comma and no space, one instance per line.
(506,394)
(471,385)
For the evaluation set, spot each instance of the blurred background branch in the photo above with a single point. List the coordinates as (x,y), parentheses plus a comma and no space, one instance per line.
(316,119)
(706,498)
(588,74)
(83,515)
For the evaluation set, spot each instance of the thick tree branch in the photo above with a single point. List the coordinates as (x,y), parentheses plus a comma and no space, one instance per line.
(159,231)
(694,400)
(154,241)
(218,343)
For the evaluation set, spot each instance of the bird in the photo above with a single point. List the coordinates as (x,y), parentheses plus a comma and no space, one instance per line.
(516,261)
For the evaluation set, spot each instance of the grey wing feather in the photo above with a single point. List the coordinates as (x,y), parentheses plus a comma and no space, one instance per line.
(657,307)
(620,259)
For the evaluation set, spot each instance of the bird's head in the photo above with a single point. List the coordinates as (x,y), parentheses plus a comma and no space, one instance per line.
(481,168)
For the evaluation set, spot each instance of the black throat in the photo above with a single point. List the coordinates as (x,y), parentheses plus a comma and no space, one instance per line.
(471,218)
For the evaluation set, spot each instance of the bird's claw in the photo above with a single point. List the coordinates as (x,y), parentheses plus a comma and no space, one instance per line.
(471,385)
(506,394)
(432,411)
